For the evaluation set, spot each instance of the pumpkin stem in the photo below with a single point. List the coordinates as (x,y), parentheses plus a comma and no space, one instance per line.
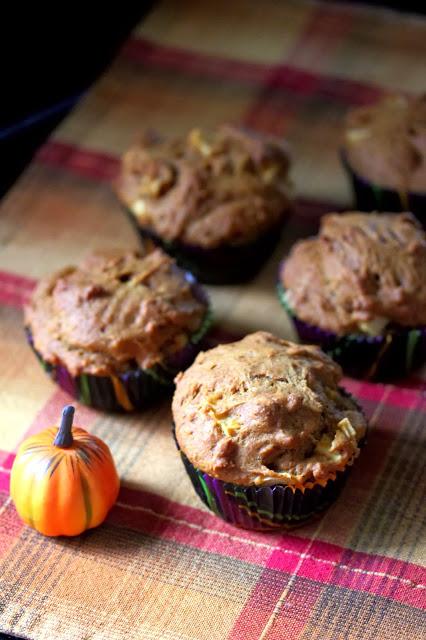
(64,437)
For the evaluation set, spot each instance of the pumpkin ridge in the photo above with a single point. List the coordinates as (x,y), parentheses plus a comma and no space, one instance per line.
(51,462)
(71,461)
(34,447)
(86,499)
(97,451)
(30,519)
(56,466)
(84,456)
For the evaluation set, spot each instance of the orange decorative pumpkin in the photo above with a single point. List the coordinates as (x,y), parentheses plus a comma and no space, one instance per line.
(63,481)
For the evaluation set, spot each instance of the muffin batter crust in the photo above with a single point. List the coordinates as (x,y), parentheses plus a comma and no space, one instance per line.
(266,411)
(386,143)
(116,310)
(226,189)
(361,272)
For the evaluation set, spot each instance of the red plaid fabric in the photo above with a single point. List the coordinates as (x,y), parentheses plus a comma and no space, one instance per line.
(162,566)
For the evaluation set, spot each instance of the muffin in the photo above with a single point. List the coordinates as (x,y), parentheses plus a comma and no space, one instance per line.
(384,152)
(358,289)
(216,204)
(265,433)
(115,330)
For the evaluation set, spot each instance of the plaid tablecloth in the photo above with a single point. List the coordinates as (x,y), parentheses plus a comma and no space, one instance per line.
(162,566)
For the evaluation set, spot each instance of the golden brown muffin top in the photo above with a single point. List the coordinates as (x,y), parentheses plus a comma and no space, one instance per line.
(360,273)
(266,411)
(226,189)
(114,311)
(386,143)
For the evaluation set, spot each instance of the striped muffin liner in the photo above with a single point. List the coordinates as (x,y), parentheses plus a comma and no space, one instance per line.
(266,507)
(372,197)
(221,265)
(136,388)
(388,356)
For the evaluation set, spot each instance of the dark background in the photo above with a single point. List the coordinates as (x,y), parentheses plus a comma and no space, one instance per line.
(50,56)
(47,61)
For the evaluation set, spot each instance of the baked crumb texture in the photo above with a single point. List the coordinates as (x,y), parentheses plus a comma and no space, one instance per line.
(226,189)
(361,273)
(385,143)
(264,411)
(116,311)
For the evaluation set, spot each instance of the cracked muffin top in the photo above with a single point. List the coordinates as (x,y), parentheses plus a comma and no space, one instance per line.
(115,311)
(225,189)
(266,411)
(386,142)
(362,272)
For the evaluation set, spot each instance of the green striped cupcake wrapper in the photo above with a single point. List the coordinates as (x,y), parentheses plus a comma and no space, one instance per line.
(230,264)
(130,390)
(372,197)
(388,356)
(263,508)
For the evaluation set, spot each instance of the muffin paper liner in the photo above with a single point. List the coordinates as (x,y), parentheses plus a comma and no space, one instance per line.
(385,357)
(133,389)
(268,507)
(372,197)
(221,265)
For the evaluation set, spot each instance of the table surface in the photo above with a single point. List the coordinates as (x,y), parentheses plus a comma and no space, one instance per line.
(162,566)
